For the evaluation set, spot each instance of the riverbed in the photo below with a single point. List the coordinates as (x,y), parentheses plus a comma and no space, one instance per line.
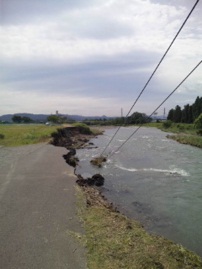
(153,179)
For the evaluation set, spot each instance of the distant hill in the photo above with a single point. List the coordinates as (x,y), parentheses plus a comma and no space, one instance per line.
(35,117)
(43,117)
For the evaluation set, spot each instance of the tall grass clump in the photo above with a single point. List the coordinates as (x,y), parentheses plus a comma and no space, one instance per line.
(2,136)
(83,128)
(167,124)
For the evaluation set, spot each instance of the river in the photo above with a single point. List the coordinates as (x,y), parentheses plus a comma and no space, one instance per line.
(154,180)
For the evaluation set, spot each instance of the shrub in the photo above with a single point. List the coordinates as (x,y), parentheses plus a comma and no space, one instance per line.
(181,127)
(2,136)
(198,122)
(199,132)
(167,124)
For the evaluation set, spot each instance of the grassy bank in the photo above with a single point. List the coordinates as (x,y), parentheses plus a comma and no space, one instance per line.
(17,134)
(192,140)
(183,133)
(114,241)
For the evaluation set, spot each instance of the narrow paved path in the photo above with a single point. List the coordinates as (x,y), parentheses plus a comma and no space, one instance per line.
(38,210)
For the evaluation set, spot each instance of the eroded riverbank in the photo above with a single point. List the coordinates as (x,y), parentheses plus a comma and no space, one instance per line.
(98,212)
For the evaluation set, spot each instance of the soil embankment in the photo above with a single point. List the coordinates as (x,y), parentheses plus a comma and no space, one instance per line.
(73,138)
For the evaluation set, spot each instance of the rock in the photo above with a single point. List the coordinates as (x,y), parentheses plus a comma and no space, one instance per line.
(98,161)
(99,180)
(95,180)
(72,162)
(70,159)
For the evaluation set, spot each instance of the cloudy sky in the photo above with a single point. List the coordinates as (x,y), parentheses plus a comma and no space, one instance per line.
(93,57)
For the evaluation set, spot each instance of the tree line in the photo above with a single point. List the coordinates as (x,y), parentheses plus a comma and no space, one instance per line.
(188,114)
(19,119)
(58,119)
(135,118)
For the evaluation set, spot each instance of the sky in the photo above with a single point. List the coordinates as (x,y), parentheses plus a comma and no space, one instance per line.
(94,57)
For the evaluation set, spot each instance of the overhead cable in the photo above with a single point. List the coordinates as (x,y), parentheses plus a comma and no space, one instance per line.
(156,108)
(151,75)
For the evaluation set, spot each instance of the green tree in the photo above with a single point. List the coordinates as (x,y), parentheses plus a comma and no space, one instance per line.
(190,114)
(17,119)
(197,107)
(185,114)
(138,118)
(54,119)
(198,122)
(26,120)
(171,115)
(177,114)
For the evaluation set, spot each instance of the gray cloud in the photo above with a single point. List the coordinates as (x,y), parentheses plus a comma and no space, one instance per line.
(99,27)
(58,53)
(26,11)
(106,77)
(186,3)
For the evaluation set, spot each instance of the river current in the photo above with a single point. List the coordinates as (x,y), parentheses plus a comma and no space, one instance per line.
(154,180)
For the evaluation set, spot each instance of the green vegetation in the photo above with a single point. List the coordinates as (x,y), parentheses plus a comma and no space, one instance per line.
(2,136)
(184,133)
(83,128)
(19,119)
(187,139)
(54,119)
(21,134)
(179,128)
(167,124)
(188,114)
(138,118)
(199,132)
(59,119)
(198,122)
(135,118)
(114,241)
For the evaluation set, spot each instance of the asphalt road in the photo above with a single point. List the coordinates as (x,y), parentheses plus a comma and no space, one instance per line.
(38,210)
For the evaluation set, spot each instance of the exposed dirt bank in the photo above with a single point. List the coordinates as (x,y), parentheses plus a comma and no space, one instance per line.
(73,138)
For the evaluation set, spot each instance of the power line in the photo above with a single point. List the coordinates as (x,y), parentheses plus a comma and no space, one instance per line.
(112,153)
(151,75)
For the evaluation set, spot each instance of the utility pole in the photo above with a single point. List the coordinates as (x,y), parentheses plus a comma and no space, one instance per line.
(121,112)
(164,112)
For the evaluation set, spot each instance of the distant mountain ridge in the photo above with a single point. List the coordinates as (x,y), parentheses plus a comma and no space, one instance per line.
(43,117)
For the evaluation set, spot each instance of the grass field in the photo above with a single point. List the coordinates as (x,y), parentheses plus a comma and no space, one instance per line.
(25,134)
